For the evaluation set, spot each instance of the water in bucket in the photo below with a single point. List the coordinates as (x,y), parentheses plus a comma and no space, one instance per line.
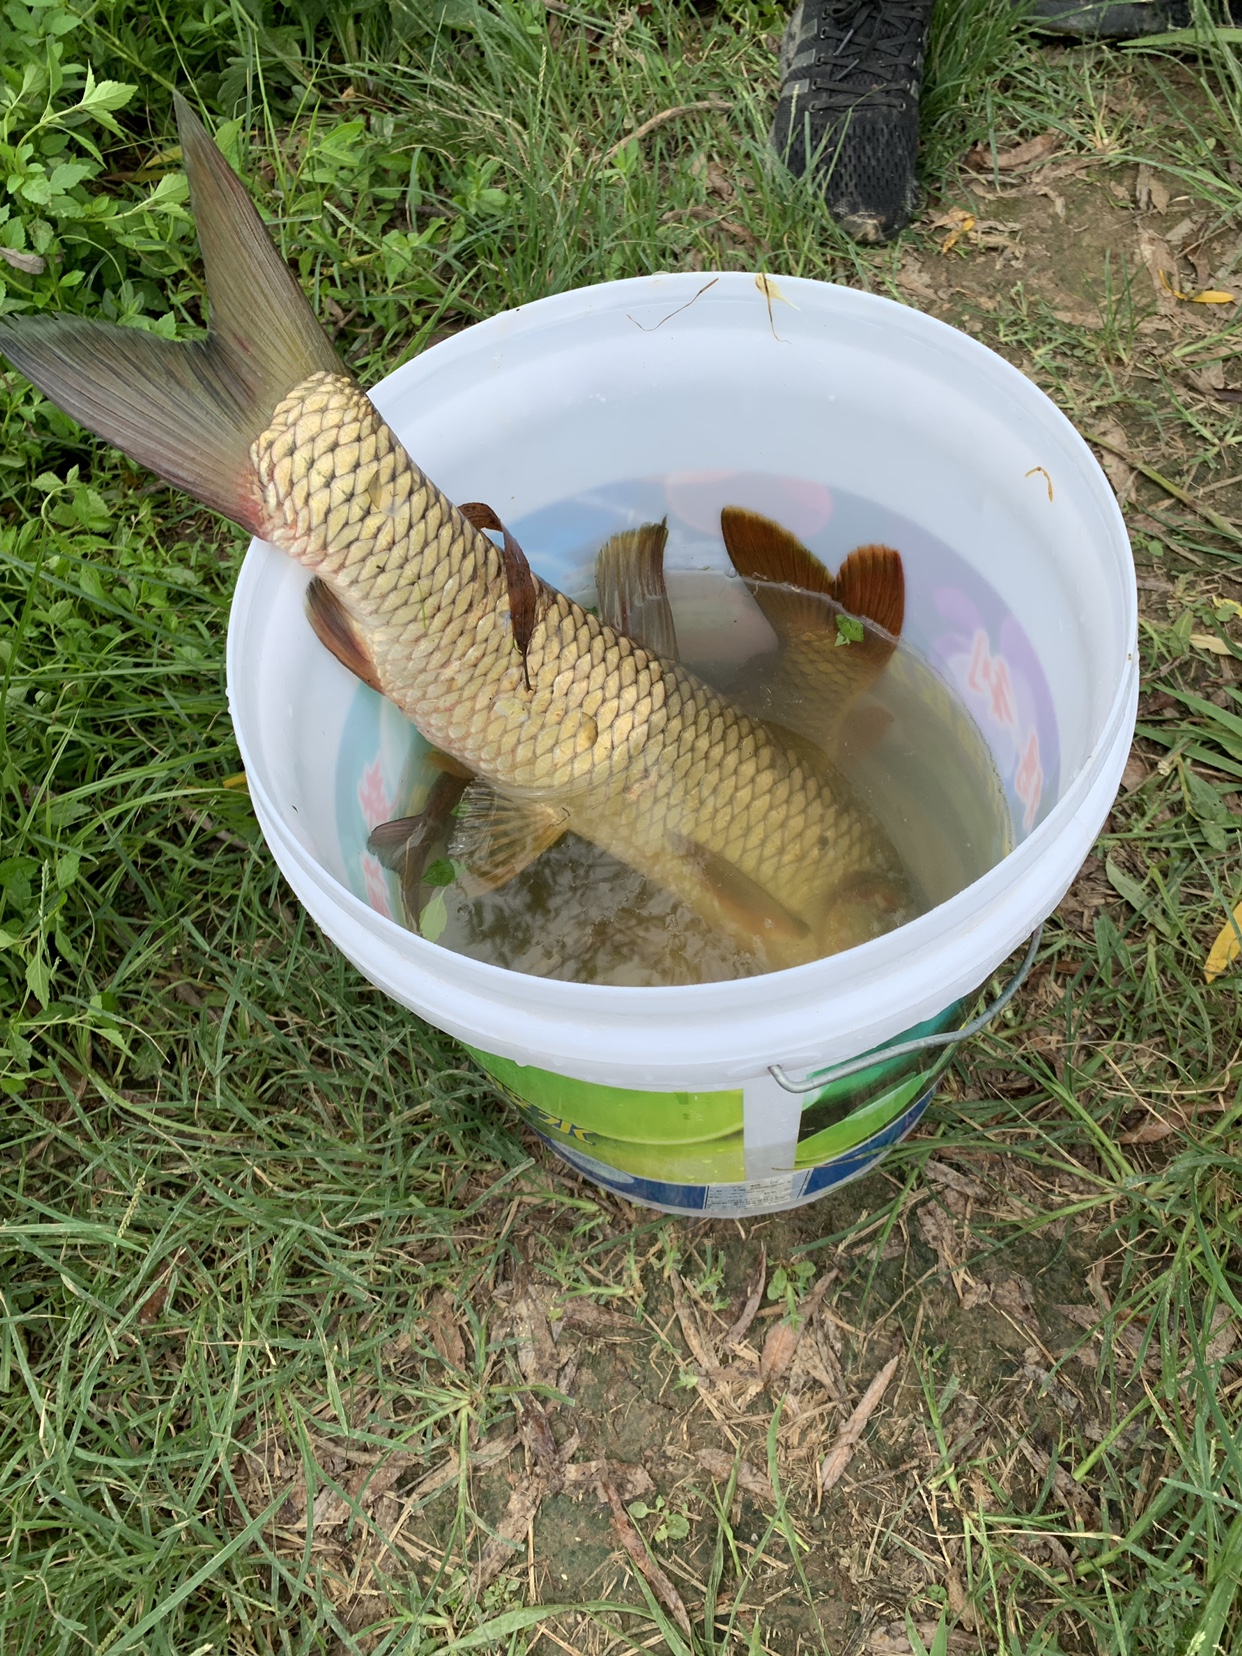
(913,752)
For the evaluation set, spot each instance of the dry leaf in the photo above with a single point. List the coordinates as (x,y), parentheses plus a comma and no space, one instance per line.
(536,1349)
(691,1330)
(736,1331)
(632,1541)
(838,1457)
(749,1477)
(444,1330)
(1226,948)
(783,1338)
(1135,773)
(959,222)
(1209,641)
(516,1519)
(31,263)
(1150,190)
(1224,1334)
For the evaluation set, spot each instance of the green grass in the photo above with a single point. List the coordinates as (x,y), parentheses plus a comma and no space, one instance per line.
(233,1177)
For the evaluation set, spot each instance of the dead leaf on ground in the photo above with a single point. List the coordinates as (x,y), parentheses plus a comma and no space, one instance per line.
(892,1639)
(444,1329)
(500,1548)
(1150,190)
(1135,773)
(839,1456)
(535,1348)
(784,1336)
(749,1477)
(633,1543)
(1026,154)
(736,1330)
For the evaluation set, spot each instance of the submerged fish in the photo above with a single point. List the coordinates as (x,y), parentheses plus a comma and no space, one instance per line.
(570,724)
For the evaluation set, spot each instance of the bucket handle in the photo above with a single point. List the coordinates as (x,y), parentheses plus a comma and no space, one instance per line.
(837,1072)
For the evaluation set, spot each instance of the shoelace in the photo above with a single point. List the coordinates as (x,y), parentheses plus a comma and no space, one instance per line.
(868,45)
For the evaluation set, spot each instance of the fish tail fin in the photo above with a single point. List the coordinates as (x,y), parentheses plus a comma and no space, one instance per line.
(871,584)
(788,581)
(190,411)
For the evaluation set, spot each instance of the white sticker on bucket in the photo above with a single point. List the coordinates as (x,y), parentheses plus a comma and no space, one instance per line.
(755,1196)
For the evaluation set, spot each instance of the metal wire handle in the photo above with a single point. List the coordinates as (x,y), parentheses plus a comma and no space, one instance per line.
(883,1054)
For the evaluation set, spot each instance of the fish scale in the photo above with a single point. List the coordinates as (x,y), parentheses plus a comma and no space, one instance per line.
(622,746)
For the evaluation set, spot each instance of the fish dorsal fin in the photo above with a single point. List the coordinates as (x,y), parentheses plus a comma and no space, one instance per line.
(335,631)
(497,837)
(871,583)
(789,582)
(746,902)
(629,580)
(523,584)
(190,410)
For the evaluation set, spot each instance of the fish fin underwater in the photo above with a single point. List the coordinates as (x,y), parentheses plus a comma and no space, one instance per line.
(190,410)
(629,582)
(405,844)
(497,837)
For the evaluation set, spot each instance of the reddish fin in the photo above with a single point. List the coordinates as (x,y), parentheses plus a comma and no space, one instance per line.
(335,631)
(871,583)
(523,585)
(781,572)
(633,599)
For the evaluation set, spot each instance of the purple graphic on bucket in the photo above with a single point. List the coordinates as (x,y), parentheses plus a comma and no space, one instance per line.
(955,620)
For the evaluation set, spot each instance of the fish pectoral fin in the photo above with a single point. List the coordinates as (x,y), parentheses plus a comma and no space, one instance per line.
(871,584)
(788,582)
(404,844)
(335,631)
(497,837)
(522,582)
(629,580)
(744,900)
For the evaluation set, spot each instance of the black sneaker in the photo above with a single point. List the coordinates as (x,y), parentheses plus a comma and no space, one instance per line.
(1103,20)
(849,107)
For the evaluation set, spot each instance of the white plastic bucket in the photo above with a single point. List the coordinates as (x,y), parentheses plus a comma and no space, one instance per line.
(891,426)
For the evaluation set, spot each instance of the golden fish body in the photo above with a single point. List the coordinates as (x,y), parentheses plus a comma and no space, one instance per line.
(639,756)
